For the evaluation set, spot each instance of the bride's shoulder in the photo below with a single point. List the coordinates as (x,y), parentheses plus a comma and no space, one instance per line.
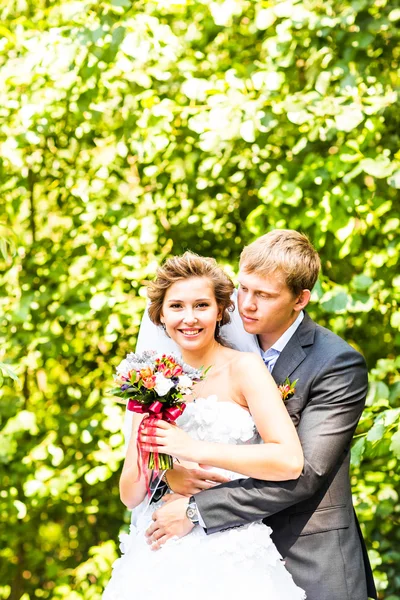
(248,360)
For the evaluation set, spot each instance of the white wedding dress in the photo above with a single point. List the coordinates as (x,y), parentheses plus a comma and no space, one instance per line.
(233,564)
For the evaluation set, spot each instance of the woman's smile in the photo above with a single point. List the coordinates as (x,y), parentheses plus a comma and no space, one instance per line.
(190,332)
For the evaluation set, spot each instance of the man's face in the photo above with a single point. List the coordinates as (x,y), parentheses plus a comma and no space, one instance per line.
(266,305)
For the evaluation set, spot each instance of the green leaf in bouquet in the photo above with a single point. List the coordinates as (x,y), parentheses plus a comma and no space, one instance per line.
(115,391)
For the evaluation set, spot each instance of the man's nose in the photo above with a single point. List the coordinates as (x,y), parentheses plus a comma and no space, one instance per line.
(248,302)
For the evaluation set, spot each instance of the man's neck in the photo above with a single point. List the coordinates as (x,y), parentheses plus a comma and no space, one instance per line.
(267,340)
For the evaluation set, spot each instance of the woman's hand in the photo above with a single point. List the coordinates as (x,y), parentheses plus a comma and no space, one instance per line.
(137,418)
(169,439)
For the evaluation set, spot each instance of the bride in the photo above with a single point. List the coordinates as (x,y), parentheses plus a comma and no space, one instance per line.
(237,424)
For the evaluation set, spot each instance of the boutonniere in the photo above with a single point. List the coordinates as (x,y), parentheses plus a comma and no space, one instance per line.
(287,389)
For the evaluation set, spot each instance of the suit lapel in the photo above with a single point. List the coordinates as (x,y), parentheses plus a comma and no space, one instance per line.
(293,353)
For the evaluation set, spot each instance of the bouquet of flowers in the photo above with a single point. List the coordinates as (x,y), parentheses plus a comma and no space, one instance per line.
(155,384)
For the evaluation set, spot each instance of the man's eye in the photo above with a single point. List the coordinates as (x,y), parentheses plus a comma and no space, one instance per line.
(243,288)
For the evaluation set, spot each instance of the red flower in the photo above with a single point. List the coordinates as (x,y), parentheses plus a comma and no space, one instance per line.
(177,370)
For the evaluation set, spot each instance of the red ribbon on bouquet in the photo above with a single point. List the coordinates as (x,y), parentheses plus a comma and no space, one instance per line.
(156,411)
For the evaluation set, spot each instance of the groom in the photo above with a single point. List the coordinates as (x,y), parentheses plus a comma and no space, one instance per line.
(312,518)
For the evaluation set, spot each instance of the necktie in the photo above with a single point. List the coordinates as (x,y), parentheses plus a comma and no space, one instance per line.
(270,357)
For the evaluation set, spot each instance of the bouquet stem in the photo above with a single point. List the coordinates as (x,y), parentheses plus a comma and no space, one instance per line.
(164,462)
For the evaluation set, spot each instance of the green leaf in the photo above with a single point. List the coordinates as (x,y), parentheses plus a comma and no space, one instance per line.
(362,282)
(380,167)
(378,390)
(395,444)
(247,131)
(344,232)
(394,180)
(360,303)
(376,432)
(334,301)
(123,3)
(8,371)
(357,452)
(265,18)
(391,416)
(349,118)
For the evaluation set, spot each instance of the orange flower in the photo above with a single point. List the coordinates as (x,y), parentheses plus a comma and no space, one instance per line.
(146,372)
(149,382)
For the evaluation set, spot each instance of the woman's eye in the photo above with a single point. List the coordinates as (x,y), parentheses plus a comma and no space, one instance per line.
(202,305)
(175,305)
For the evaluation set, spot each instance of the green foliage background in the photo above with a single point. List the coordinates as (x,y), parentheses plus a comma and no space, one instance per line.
(133,130)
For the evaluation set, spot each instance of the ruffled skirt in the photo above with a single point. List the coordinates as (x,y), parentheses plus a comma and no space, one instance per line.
(234,564)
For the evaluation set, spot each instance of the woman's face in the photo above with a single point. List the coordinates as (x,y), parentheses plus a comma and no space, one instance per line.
(190,313)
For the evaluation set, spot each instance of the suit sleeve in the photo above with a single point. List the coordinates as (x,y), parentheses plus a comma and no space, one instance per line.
(326,427)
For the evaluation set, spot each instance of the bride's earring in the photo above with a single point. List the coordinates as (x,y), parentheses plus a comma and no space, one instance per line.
(165,329)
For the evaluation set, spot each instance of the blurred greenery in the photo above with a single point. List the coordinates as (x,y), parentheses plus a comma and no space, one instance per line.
(134,130)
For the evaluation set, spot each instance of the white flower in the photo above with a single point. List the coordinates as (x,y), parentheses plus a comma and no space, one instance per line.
(124,367)
(185,384)
(163,384)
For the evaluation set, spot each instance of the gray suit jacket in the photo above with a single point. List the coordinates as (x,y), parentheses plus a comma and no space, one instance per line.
(312,518)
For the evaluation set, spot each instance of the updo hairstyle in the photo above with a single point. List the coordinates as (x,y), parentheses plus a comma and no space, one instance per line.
(186,266)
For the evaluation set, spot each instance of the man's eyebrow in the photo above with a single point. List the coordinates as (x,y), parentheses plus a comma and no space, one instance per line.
(271,292)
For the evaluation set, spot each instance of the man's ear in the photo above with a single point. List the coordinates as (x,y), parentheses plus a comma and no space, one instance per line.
(302,300)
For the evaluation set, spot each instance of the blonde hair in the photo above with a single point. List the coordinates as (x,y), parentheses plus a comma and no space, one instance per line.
(184,267)
(287,251)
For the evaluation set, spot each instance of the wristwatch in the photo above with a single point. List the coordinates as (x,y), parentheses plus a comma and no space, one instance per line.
(191,511)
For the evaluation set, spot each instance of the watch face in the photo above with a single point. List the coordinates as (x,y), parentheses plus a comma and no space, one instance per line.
(191,512)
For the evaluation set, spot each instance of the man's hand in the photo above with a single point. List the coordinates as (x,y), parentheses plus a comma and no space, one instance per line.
(169,521)
(190,481)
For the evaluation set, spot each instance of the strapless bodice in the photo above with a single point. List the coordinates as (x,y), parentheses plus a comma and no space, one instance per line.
(210,420)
